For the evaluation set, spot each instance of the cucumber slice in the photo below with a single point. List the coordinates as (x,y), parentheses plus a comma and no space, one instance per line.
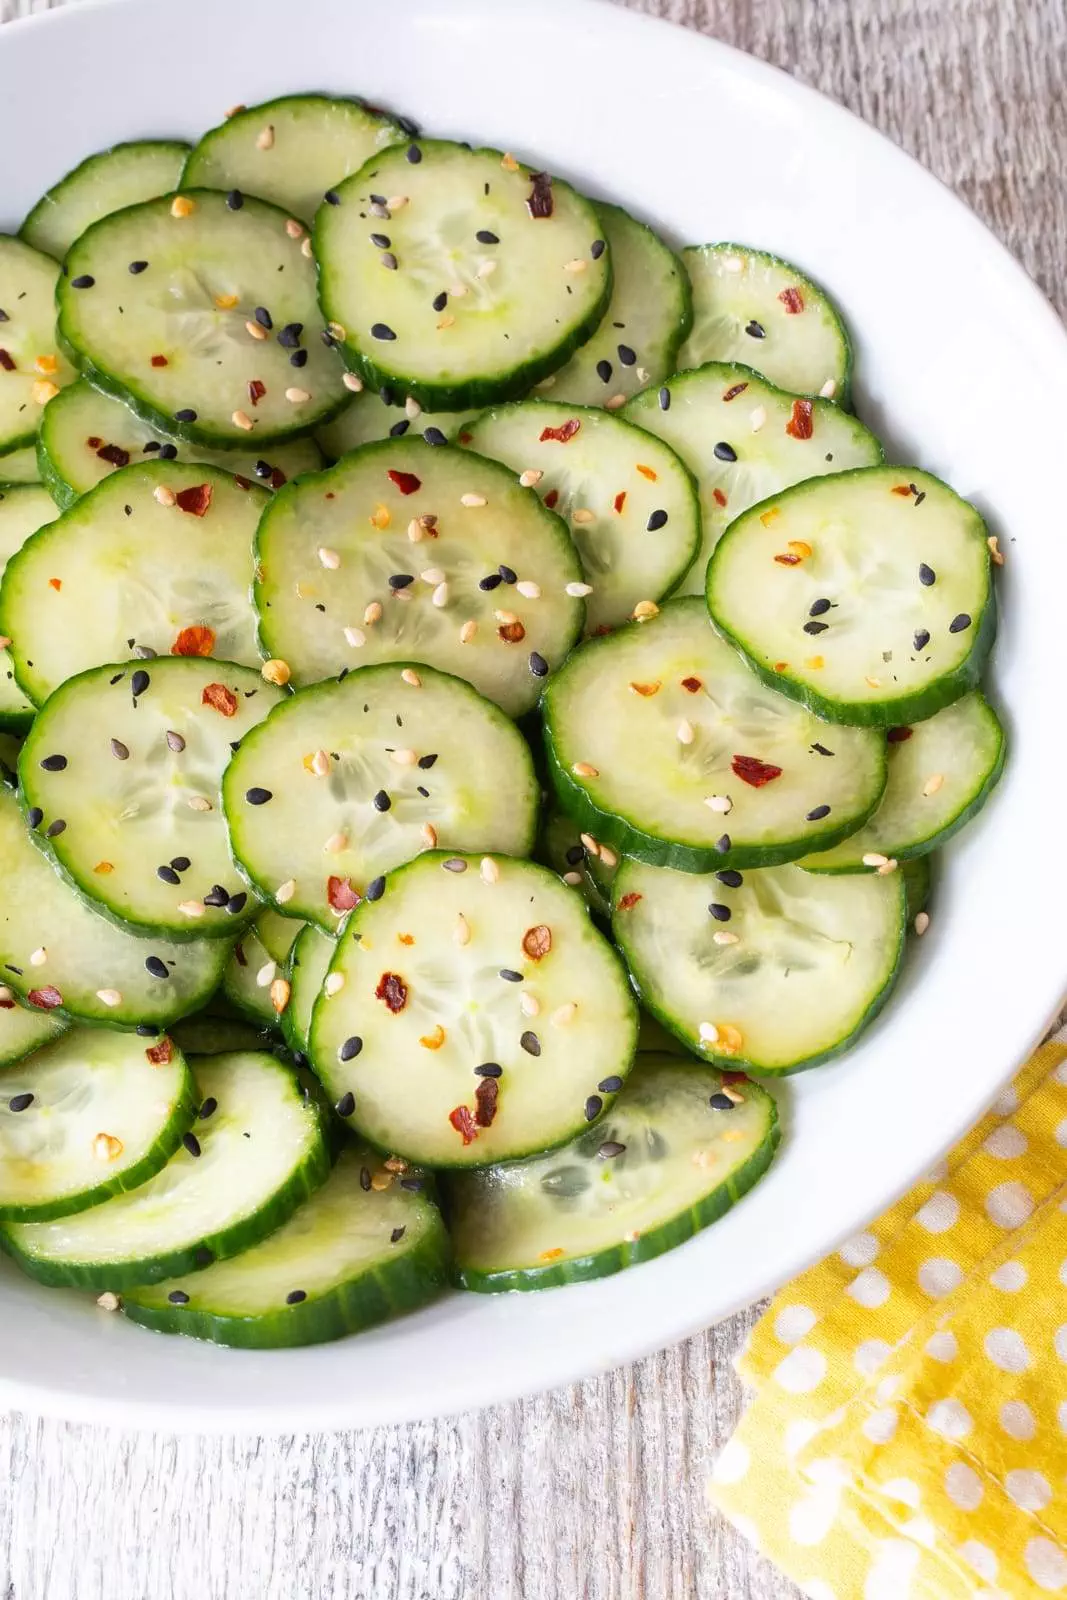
(23,509)
(85,435)
(345,781)
(10,745)
(106,182)
(649,315)
(290,150)
(744,440)
(261,1152)
(22,1030)
(459,966)
(257,960)
(751,307)
(330,547)
(32,370)
(630,504)
(88,1117)
(488,278)
(308,963)
(350,1257)
(173,339)
(58,954)
(123,574)
(20,466)
(131,762)
(779,971)
(918,884)
(730,773)
(560,847)
(941,773)
(206,1035)
(672,1155)
(897,591)
(368,417)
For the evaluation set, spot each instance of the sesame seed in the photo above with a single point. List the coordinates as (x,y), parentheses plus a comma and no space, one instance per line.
(472,500)
(817,813)
(265,138)
(297,397)
(507,575)
(755,330)
(164,496)
(933,784)
(373,613)
(191,908)
(404,757)
(83,281)
(20,1102)
(531,1044)
(353,382)
(615,402)
(489,870)
(531,476)
(593,1107)
(156,968)
(644,611)
(583,516)
(305,248)
(610,1149)
(582,769)
(529,1004)
(375,889)
(959,623)
(434,436)
(380,330)
(564,1014)
(382,801)
(577,265)
(280,990)
(336,843)
(439,597)
(355,637)
(454,864)
(485,269)
(874,859)
(241,419)
(108,1301)
(722,844)
(39,957)
(509,975)
(927,575)
(590,844)
(467,632)
(285,891)
(256,330)
(921,923)
(528,589)
(348,1052)
(258,797)
(266,974)
(198,802)
(335,982)
(723,937)
(657,520)
(168,875)
(461,934)
(55,829)
(294,229)
(886,868)
(608,856)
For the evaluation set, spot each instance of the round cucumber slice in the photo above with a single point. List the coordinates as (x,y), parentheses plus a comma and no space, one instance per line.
(92,1115)
(730,774)
(32,370)
(464,965)
(481,278)
(941,773)
(649,315)
(353,1255)
(867,596)
(207,1035)
(369,417)
(20,466)
(751,307)
(23,509)
(258,1151)
(22,1030)
(345,781)
(561,848)
(86,435)
(290,150)
(122,771)
(257,961)
(403,552)
(157,560)
(774,969)
(122,176)
(743,439)
(630,504)
(308,963)
(678,1148)
(174,339)
(60,956)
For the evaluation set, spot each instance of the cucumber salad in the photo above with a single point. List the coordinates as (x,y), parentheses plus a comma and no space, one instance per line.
(476,705)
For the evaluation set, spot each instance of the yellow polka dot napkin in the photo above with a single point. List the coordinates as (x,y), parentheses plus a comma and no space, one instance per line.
(908,1436)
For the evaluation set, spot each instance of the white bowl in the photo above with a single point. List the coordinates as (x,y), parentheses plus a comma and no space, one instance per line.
(961,367)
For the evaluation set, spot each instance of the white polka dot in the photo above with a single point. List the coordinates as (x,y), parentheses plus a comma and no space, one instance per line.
(942,1346)
(980,1558)
(906,1490)
(798,1433)
(1017,1420)
(1009,1205)
(1006,1143)
(859,1251)
(1007,1349)
(886,1390)
(939,1276)
(1031,1491)
(936,1174)
(732,1463)
(812,1517)
(881,1425)
(793,1322)
(1060,1073)
(963,1486)
(1046,1564)
(950,1418)
(890,1573)
(1061,1415)
(817,1589)
(869,1356)
(940,1213)
(1061,1341)
(1011,1276)
(920,1530)
(1006,1102)
(1061,1132)
(870,1289)
(801,1371)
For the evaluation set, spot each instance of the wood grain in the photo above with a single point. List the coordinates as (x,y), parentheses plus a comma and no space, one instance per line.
(594,1492)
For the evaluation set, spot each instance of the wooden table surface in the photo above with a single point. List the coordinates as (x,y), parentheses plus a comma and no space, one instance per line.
(594,1492)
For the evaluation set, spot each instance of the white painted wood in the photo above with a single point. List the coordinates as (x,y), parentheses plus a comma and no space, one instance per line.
(594,1492)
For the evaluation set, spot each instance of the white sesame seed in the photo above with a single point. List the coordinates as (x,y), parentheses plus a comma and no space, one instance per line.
(933,784)
(685,732)
(608,856)
(285,891)
(106,1147)
(874,859)
(294,229)
(199,802)
(531,476)
(733,1094)
(447,321)
(296,397)
(411,677)
(467,632)
(591,846)
(336,843)
(644,611)
(472,500)
(404,758)
(191,908)
(485,269)
(724,937)
(829,389)
(108,1301)
(373,613)
(336,330)
(265,138)
(615,402)
(506,617)
(109,997)
(164,496)
(7,996)
(256,330)
(305,248)
(241,419)
(353,381)
(439,597)
(528,589)
(329,558)
(719,802)
(412,409)
(757,417)
(529,1004)
(708,1032)
(564,1014)
(456,291)
(416,532)
(583,515)
(577,265)
(432,575)
(489,870)
(280,991)
(396,202)
(572,879)
(582,769)
(335,982)
(266,974)
(643,374)
(355,637)
(578,591)
(995,552)
(429,835)
(320,763)
(887,867)
(921,923)
(39,957)
(461,933)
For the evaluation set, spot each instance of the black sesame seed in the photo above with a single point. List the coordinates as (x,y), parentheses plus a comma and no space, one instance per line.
(217,897)
(54,764)
(440,300)
(817,608)
(168,452)
(235,200)
(396,1235)
(347,1103)
(398,430)
(434,436)
(593,1107)
(817,813)
(508,574)
(82,281)
(381,330)
(139,682)
(538,664)
(921,639)
(723,845)
(575,855)
(489,1069)
(258,797)
(610,1085)
(175,741)
(150,447)
(332,198)
(531,1044)
(604,371)
(725,452)
(186,414)
(263,469)
(755,331)
(328,339)
(167,875)
(927,575)
(426,762)
(135,267)
(414,154)
(610,1149)
(820,749)
(626,355)
(721,1102)
(263,317)
(20,1102)
(34,817)
(382,801)
(209,1107)
(54,829)
(348,1052)
(156,968)
(381,240)
(203,1256)
(299,358)
(959,623)
(236,904)
(364,1177)
(597,248)
(665,399)
(454,864)
(413,1185)
(146,1030)
(493,581)
(388,261)
(731,878)
(509,975)
(191,1143)
(816,627)
(181,863)
(375,889)
(401,580)
(295,1296)
(424,792)
(719,912)
(483,236)
(657,520)
(178,1297)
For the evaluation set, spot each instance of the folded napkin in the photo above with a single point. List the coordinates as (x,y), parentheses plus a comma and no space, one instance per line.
(908,1436)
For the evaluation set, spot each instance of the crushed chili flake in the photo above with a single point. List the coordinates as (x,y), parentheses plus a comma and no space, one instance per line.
(256,390)
(341,895)
(195,500)
(646,690)
(788,559)
(161,1054)
(753,771)
(539,201)
(485,1098)
(902,488)
(628,901)
(45,999)
(464,1124)
(692,685)
(537,941)
(732,394)
(406,482)
(552,499)
(104,867)
(511,632)
(406,938)
(94,443)
(6,361)
(115,455)
(647,472)
(898,735)
(6,1003)
(160,361)
(552,1255)
(793,301)
(781,666)
(277,478)
(565,431)
(55,583)
(800,425)
(620,500)
(718,496)
(221,699)
(242,483)
(393,990)
(734,1077)
(195,641)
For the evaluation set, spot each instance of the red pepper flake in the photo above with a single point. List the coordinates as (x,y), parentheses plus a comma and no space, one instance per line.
(718,497)
(55,583)
(242,483)
(7,1005)
(601,631)
(115,454)
(485,1099)
(94,443)
(565,431)
(511,632)
(753,771)
(647,472)
(902,488)
(693,685)
(620,500)
(552,499)
(628,901)
(277,478)
(735,1077)
(195,500)
(539,201)
(196,641)
(223,700)
(406,938)
(406,482)
(793,301)
(160,361)
(6,361)
(465,437)
(45,999)
(898,735)
(787,559)
(800,425)
(464,1124)
(340,894)
(161,1054)
(256,390)
(537,942)
(738,388)
(239,954)
(393,990)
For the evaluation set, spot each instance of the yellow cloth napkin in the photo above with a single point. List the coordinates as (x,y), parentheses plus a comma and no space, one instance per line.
(908,1437)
